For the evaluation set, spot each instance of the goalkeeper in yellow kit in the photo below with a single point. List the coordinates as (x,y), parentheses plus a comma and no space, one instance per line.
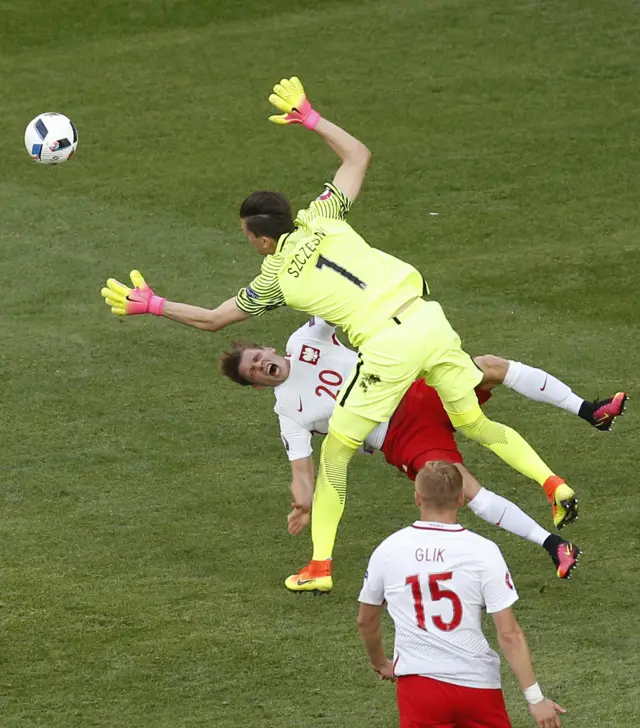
(318,264)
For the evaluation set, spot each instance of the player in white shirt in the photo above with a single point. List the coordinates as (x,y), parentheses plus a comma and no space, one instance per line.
(306,382)
(436,578)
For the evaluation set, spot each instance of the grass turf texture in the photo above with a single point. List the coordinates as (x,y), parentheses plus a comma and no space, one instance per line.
(143,502)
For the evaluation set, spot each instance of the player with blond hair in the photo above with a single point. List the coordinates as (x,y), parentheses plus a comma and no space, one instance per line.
(436,578)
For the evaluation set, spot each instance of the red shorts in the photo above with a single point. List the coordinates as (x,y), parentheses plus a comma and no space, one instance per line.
(427,703)
(420,430)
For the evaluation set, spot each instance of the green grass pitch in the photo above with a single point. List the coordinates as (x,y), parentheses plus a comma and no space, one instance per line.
(143,502)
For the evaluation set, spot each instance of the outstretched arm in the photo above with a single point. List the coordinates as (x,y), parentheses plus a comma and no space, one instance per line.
(125,301)
(225,314)
(289,97)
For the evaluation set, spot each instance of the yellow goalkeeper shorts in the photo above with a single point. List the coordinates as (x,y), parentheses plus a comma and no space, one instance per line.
(420,342)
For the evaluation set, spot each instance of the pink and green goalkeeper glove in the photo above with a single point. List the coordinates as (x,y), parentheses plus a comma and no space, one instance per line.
(289,97)
(125,301)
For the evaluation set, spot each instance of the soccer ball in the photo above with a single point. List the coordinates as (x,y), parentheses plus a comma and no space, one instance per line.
(51,138)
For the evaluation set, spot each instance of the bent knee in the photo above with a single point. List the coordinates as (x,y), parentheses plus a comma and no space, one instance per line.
(493,368)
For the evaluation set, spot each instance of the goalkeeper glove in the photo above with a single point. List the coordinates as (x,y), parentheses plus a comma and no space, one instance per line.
(289,97)
(125,301)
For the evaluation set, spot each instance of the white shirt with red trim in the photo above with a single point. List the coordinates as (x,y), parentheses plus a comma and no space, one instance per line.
(436,579)
(319,366)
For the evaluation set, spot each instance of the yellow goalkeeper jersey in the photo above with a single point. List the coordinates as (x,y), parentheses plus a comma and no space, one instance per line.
(326,269)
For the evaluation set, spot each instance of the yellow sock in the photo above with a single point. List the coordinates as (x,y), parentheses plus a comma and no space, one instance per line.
(505,442)
(330,493)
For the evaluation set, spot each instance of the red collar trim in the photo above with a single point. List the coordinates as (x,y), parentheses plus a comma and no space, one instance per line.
(434,526)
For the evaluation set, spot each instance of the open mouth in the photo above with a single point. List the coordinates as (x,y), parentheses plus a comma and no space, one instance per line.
(272,370)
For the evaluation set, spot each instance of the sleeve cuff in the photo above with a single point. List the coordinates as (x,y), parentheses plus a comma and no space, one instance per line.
(504,604)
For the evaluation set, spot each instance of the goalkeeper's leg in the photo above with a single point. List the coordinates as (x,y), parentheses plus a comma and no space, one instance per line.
(329,498)
(331,492)
(467,417)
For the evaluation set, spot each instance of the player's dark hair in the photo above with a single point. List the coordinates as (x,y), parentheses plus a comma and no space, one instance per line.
(267,214)
(229,362)
(439,484)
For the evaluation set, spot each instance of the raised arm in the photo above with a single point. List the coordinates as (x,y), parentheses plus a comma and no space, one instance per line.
(354,155)
(289,97)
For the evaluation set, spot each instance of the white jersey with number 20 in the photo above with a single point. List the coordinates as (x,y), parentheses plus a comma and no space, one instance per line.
(319,366)
(436,579)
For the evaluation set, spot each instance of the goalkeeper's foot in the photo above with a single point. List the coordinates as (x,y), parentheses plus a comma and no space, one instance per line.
(563,500)
(315,577)
(603,412)
(563,554)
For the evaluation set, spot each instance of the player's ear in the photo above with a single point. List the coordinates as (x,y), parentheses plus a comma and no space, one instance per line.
(461,499)
(416,498)
(270,349)
(267,245)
